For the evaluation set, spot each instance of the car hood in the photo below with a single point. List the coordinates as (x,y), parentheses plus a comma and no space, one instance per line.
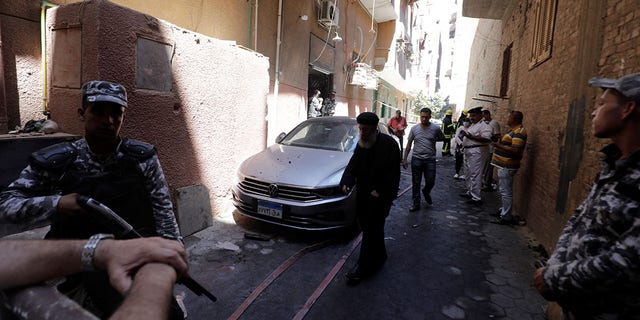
(297,166)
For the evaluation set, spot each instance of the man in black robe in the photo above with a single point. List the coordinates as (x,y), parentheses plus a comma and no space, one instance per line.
(375,171)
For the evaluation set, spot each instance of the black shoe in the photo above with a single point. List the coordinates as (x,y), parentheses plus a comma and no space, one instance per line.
(427,198)
(475,202)
(414,207)
(354,276)
(465,195)
(506,222)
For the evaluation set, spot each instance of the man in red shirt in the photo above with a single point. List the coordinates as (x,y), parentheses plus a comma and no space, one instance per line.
(397,125)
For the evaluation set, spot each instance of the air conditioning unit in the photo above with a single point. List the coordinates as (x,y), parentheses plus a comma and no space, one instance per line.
(327,12)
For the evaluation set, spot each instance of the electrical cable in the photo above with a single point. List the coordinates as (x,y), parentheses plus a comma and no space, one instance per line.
(323,47)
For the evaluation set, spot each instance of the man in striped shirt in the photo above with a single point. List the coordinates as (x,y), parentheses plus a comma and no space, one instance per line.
(506,157)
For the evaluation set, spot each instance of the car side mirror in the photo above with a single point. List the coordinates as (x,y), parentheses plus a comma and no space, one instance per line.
(280,137)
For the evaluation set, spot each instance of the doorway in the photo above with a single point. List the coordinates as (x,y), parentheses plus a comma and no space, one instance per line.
(319,81)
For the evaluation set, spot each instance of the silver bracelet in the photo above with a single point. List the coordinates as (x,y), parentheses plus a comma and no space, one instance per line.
(89,250)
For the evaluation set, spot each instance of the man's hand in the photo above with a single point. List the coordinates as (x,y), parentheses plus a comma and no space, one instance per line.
(404,163)
(68,205)
(538,282)
(122,258)
(375,194)
(150,294)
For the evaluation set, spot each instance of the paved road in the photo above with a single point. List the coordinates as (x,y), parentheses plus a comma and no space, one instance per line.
(446,261)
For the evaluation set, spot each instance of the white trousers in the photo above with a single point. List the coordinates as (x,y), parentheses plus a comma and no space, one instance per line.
(475,160)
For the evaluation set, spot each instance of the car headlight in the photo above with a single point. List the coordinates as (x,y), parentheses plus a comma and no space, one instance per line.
(329,192)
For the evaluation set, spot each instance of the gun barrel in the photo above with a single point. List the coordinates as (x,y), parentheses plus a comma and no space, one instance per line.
(123,228)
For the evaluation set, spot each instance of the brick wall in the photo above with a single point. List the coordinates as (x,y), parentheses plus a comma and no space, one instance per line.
(590,38)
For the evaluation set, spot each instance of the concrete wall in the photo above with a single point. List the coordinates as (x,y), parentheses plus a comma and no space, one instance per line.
(485,54)
(20,76)
(590,38)
(209,118)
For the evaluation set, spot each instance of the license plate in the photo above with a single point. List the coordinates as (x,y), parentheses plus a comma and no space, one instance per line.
(270,209)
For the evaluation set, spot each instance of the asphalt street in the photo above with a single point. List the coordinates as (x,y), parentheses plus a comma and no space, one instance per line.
(446,261)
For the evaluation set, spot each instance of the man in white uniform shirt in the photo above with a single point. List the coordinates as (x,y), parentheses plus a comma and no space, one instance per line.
(488,183)
(476,154)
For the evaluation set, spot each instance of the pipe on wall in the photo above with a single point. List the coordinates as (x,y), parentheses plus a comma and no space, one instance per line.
(255,31)
(249,25)
(43,49)
(276,76)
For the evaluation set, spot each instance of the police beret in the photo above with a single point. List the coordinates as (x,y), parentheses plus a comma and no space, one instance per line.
(476,110)
(368,118)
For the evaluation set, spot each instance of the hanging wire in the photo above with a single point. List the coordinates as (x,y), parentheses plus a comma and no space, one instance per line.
(335,4)
(323,47)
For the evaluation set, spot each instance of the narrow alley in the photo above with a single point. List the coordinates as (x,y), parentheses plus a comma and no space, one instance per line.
(446,261)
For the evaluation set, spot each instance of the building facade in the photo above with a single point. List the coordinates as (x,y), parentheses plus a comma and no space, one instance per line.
(208,95)
(536,57)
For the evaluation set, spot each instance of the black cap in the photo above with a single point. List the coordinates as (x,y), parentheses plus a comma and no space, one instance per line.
(476,110)
(368,118)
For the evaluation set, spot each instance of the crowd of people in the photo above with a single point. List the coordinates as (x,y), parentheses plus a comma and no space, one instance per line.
(593,270)
(592,273)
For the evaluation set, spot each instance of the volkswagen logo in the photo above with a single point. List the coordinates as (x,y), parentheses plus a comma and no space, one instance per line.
(273,190)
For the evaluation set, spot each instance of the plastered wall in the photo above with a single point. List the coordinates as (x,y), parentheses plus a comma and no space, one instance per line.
(21,67)
(211,118)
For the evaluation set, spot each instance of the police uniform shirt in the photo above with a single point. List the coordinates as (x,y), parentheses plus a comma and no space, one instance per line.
(34,196)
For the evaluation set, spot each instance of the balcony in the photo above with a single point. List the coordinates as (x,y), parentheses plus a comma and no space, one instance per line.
(384,9)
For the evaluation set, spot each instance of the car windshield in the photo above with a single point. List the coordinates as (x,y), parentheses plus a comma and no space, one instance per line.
(327,135)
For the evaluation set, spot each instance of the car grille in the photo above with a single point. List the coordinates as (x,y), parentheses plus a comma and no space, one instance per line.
(284,192)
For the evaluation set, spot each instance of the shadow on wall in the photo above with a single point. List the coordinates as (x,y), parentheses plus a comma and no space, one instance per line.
(571,152)
(21,77)
(195,98)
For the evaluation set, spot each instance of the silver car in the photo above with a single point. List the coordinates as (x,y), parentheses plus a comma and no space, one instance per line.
(294,183)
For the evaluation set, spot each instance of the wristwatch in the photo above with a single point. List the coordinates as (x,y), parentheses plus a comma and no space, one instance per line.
(89,250)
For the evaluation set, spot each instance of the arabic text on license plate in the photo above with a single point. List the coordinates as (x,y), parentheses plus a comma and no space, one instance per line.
(270,209)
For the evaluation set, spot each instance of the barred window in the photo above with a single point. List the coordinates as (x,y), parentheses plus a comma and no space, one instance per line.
(545,13)
(506,68)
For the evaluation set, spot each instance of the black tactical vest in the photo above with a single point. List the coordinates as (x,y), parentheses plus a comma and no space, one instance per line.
(120,187)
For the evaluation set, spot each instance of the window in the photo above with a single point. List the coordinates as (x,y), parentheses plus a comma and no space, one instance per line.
(506,66)
(545,14)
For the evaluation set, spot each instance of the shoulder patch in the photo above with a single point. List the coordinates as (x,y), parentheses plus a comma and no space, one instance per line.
(138,149)
(54,157)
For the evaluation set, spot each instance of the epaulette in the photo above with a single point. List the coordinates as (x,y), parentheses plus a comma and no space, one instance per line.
(54,157)
(137,149)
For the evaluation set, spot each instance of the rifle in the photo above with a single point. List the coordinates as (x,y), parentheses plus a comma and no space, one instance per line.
(121,228)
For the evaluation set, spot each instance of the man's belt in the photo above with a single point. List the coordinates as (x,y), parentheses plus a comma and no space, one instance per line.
(475,146)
